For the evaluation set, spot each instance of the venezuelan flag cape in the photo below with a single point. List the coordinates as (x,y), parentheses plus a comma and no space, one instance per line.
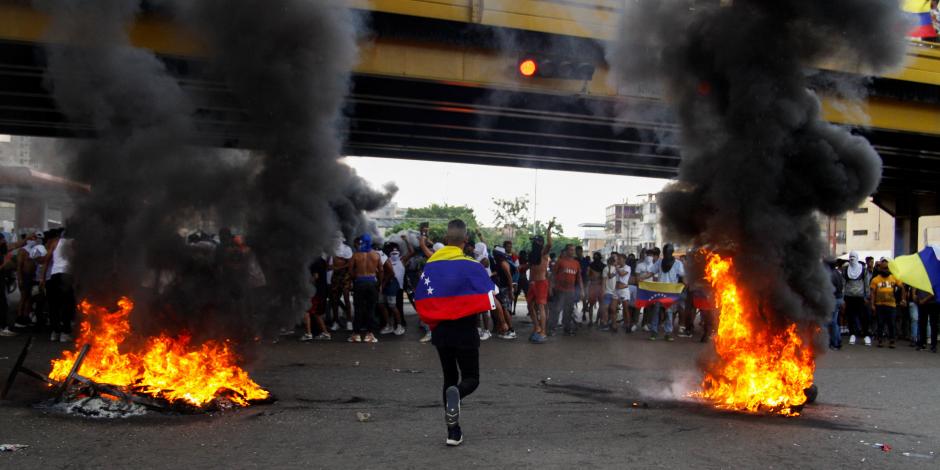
(921,270)
(919,12)
(703,300)
(665,293)
(452,286)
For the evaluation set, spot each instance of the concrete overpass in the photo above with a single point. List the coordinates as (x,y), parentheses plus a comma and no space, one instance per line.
(437,81)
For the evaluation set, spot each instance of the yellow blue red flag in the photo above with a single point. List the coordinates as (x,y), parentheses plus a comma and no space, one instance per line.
(919,12)
(921,270)
(665,293)
(452,286)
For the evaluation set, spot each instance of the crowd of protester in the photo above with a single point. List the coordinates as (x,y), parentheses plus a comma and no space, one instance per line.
(38,267)
(563,294)
(362,288)
(873,307)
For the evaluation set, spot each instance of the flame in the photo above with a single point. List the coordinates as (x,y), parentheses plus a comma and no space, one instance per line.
(165,367)
(761,368)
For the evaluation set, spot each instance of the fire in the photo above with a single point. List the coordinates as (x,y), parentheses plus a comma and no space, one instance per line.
(165,367)
(761,368)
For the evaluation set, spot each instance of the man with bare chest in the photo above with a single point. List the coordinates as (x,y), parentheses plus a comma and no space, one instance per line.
(365,268)
(538,286)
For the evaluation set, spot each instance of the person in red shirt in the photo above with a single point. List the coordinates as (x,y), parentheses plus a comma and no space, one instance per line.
(568,283)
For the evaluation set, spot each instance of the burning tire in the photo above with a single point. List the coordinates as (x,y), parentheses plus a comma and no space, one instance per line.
(811,393)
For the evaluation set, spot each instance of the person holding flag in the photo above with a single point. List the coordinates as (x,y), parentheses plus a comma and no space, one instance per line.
(452,290)
(666,291)
(922,272)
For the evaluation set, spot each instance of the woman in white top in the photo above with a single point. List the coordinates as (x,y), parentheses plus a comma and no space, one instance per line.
(57,282)
(608,310)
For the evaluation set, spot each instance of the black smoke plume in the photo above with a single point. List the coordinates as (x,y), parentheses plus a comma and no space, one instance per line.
(757,159)
(288,67)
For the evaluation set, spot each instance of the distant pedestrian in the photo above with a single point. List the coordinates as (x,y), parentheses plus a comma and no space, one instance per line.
(366,269)
(855,293)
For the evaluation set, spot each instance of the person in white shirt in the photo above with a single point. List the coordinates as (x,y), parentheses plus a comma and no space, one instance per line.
(623,290)
(608,310)
(668,269)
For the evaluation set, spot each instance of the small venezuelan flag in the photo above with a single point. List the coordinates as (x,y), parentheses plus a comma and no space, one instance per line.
(919,12)
(665,293)
(921,270)
(451,287)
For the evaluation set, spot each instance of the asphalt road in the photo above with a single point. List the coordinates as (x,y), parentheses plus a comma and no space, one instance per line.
(565,404)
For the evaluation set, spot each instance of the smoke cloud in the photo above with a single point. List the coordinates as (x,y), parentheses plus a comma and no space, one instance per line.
(757,159)
(288,68)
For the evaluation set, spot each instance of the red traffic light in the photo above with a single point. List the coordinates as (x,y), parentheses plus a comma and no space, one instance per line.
(528,67)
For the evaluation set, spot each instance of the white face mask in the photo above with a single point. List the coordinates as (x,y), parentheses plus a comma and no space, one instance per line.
(649,259)
(395,257)
(30,243)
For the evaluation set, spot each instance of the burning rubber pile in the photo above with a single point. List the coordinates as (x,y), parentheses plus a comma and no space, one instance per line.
(172,371)
(758,164)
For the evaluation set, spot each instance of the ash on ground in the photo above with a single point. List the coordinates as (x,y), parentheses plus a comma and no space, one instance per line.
(99,408)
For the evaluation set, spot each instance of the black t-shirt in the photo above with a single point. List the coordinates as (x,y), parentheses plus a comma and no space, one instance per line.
(460,334)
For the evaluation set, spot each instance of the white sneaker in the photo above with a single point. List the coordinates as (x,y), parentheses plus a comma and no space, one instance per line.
(852,339)
(399,330)
(65,338)
(349,326)
(387,330)
(306,337)
(486,335)
(335,327)
(54,337)
(646,327)
(370,338)
(868,341)
(323,337)
(511,335)
(426,338)
(633,328)
(6,332)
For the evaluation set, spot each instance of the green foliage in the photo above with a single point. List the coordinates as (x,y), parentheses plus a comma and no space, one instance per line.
(437,216)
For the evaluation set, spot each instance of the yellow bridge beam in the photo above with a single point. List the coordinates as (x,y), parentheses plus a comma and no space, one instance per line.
(477,67)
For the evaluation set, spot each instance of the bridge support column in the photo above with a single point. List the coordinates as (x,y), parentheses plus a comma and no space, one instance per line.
(30,213)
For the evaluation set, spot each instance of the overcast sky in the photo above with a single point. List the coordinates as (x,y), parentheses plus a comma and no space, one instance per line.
(573,198)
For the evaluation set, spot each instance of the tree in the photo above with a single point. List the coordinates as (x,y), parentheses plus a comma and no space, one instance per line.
(512,214)
(437,216)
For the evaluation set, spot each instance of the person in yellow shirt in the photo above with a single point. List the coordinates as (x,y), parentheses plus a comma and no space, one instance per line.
(884,288)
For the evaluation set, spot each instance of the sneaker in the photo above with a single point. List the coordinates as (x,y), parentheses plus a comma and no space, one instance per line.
(65,338)
(426,338)
(868,341)
(18,325)
(399,330)
(539,339)
(349,326)
(387,330)
(681,331)
(511,335)
(852,339)
(633,329)
(370,338)
(669,338)
(653,337)
(454,436)
(54,337)
(306,337)
(323,337)
(335,327)
(646,327)
(452,407)
(604,328)
(354,338)
(684,334)
(6,332)
(485,335)
(285,332)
